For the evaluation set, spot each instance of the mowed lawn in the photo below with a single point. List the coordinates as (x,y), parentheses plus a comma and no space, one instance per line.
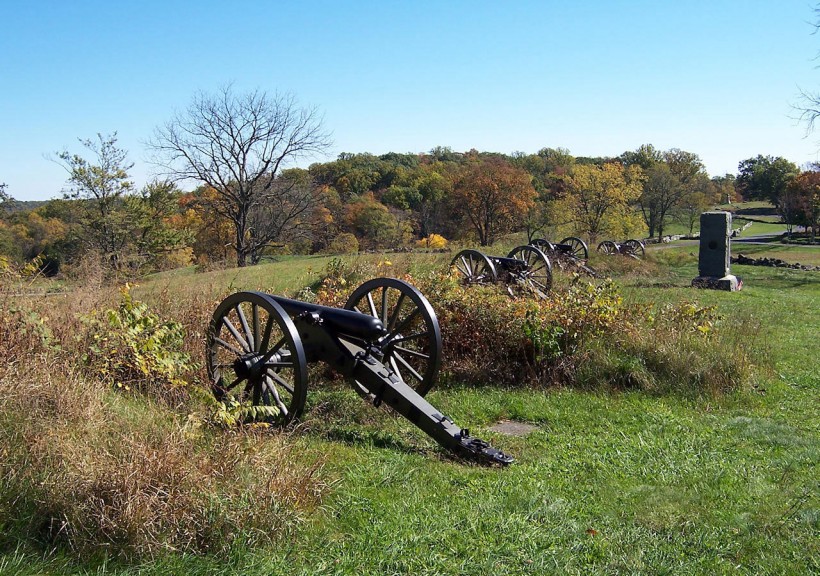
(608,483)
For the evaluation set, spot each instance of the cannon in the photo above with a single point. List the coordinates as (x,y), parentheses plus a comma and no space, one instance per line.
(632,248)
(526,267)
(386,341)
(571,248)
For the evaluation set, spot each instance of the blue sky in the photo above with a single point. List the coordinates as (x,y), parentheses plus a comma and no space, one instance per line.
(717,78)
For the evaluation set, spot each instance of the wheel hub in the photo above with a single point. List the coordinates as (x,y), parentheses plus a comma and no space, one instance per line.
(247,366)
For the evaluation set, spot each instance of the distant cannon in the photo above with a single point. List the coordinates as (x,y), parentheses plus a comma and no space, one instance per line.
(525,266)
(632,248)
(386,342)
(572,248)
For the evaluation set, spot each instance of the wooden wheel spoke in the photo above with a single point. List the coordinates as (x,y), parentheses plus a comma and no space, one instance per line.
(415,353)
(395,368)
(281,381)
(232,329)
(409,368)
(243,321)
(464,268)
(228,346)
(273,350)
(233,384)
(384,305)
(275,393)
(373,311)
(395,315)
(410,337)
(255,321)
(266,336)
(406,322)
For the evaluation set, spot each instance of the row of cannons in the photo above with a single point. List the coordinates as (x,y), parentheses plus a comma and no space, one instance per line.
(385,341)
(530,267)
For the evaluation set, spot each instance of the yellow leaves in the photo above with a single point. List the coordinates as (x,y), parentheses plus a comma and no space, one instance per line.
(432,242)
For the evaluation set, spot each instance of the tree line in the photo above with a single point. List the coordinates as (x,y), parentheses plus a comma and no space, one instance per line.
(234,151)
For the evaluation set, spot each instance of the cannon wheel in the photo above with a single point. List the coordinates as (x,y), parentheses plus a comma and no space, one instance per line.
(538,274)
(578,248)
(412,346)
(543,245)
(607,247)
(254,354)
(475,267)
(634,248)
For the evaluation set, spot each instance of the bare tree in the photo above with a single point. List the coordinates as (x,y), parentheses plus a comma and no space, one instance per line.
(285,209)
(809,106)
(237,144)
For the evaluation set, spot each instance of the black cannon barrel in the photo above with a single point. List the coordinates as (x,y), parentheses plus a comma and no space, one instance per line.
(342,321)
(509,263)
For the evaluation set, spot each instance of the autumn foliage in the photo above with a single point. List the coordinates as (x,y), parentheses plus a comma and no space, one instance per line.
(490,195)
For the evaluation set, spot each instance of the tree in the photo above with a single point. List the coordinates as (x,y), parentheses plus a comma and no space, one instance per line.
(809,107)
(286,212)
(669,177)
(646,156)
(371,221)
(764,177)
(692,206)
(492,196)
(597,193)
(661,191)
(159,241)
(237,144)
(800,203)
(4,196)
(100,184)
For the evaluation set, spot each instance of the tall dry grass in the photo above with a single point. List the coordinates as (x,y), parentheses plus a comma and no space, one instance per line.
(89,469)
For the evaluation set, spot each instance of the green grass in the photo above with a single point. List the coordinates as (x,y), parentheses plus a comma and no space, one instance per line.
(608,483)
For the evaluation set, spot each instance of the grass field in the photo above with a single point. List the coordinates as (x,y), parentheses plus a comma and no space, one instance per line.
(608,483)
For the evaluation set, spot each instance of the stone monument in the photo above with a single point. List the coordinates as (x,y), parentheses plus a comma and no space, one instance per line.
(715,253)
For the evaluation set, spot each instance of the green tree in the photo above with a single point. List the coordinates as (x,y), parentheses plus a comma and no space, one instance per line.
(669,176)
(238,144)
(154,235)
(100,185)
(599,195)
(371,221)
(764,177)
(800,202)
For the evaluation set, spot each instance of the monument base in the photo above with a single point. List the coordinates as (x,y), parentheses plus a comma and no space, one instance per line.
(730,283)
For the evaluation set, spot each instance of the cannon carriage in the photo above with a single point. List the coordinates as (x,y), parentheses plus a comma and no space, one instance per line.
(632,248)
(386,341)
(525,267)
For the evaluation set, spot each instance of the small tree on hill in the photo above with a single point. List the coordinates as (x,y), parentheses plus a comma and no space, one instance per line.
(102,223)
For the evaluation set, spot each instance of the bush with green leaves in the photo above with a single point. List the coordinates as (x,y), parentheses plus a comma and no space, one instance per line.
(130,346)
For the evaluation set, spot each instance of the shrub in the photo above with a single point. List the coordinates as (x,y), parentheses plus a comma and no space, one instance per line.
(432,242)
(584,335)
(344,243)
(131,346)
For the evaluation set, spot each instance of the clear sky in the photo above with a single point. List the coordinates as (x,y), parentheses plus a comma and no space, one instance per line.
(713,77)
